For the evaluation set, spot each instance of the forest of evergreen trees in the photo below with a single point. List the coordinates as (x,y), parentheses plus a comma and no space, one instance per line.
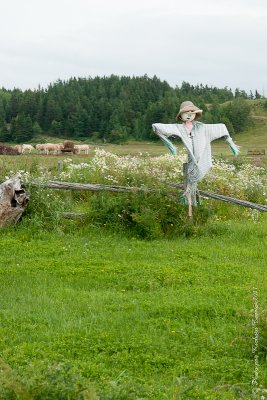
(112,109)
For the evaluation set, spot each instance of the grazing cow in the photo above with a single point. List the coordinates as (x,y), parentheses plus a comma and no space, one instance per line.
(49,148)
(41,148)
(81,148)
(27,148)
(54,148)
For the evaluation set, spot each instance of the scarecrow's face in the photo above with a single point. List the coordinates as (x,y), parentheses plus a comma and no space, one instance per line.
(188,116)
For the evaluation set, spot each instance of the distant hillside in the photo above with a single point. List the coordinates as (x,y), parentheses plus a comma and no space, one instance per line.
(116,109)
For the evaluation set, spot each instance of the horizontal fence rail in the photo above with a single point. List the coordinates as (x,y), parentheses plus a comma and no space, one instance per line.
(112,188)
(90,186)
(244,203)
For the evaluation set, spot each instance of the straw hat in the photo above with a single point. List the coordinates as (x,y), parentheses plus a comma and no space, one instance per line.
(187,106)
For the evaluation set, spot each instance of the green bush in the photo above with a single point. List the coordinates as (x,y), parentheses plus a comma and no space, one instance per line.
(145,215)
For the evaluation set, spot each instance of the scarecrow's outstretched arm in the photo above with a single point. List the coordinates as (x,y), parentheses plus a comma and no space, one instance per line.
(216,131)
(164,131)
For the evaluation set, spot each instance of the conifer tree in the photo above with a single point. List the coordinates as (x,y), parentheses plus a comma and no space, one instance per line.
(21,128)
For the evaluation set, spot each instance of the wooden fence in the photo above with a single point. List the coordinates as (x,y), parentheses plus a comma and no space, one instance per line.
(111,188)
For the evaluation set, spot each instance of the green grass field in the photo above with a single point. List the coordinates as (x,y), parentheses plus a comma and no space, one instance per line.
(87,314)
(92,315)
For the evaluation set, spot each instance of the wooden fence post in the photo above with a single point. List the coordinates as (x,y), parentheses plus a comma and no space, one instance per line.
(60,166)
(188,195)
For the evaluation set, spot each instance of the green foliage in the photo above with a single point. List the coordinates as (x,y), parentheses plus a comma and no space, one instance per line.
(238,113)
(235,114)
(57,381)
(119,135)
(5,134)
(116,108)
(240,94)
(36,129)
(257,95)
(21,128)
(45,209)
(144,215)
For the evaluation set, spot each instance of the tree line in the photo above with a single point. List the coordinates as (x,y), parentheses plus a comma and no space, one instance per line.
(113,109)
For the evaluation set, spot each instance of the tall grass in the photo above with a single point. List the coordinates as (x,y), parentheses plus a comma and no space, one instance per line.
(89,315)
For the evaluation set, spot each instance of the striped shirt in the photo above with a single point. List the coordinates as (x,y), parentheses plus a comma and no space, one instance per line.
(197,142)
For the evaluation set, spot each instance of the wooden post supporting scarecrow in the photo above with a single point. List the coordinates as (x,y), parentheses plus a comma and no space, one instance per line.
(197,138)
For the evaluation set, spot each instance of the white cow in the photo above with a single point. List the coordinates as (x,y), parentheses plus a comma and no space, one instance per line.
(27,148)
(81,148)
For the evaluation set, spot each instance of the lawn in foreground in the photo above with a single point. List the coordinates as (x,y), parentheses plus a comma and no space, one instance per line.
(97,316)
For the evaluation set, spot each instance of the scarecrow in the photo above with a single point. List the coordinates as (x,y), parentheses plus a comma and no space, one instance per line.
(197,138)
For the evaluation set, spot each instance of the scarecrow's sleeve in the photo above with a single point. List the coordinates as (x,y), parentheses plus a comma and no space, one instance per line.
(164,131)
(216,131)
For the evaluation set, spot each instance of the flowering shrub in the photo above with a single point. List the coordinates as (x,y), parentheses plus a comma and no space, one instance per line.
(146,214)
(108,168)
(245,181)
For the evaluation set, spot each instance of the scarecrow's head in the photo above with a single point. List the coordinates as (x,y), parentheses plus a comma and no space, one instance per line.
(188,112)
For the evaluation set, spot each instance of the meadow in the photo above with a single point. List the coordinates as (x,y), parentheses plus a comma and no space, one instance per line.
(133,302)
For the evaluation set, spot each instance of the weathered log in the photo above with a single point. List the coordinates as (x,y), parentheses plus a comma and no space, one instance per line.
(13,201)
(89,186)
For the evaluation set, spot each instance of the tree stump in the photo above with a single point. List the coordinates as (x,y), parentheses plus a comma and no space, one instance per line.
(13,201)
